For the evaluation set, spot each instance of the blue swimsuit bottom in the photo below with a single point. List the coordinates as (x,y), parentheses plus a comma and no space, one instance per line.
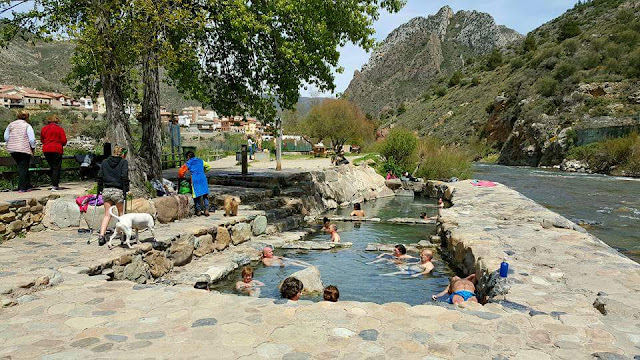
(465,294)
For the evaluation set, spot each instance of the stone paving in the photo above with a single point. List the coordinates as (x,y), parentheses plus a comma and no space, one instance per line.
(557,274)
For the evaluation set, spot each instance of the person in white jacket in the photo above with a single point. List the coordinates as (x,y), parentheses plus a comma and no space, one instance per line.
(21,142)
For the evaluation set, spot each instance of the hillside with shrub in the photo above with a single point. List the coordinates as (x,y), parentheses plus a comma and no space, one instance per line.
(570,82)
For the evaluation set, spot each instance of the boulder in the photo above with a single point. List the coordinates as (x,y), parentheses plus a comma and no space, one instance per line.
(37,217)
(185,204)
(393,184)
(259,225)
(142,206)
(36,209)
(218,271)
(167,208)
(16,226)
(8,217)
(3,227)
(93,218)
(137,271)
(4,207)
(62,213)
(222,238)
(405,193)
(241,232)
(205,245)
(311,280)
(181,250)
(158,263)
(23,210)
(32,202)
(37,228)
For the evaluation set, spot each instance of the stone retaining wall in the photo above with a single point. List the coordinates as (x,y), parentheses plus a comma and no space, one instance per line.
(19,216)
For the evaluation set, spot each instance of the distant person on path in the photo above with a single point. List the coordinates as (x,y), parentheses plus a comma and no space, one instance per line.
(113,184)
(399,254)
(331,294)
(199,185)
(250,147)
(423,268)
(21,142)
(248,284)
(53,140)
(459,290)
(357,210)
(335,237)
(291,288)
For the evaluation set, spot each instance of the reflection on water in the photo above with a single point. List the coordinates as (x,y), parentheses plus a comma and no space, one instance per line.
(348,268)
(611,204)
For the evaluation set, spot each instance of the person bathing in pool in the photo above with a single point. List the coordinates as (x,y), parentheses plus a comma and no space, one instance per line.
(398,256)
(459,290)
(424,267)
(268,259)
(326,225)
(357,210)
(248,284)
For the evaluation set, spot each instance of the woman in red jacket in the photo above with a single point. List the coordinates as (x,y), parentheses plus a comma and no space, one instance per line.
(53,139)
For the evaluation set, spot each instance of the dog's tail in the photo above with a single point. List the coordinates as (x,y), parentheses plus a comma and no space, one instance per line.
(112,214)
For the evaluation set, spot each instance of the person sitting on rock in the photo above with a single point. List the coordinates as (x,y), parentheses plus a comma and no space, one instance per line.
(291,288)
(459,290)
(248,284)
(424,267)
(326,225)
(399,255)
(331,293)
(268,259)
(357,210)
(335,237)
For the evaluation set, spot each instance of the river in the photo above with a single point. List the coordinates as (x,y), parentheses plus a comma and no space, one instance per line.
(611,203)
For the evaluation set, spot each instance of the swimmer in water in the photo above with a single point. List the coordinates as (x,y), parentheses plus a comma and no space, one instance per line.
(248,284)
(398,256)
(268,259)
(335,237)
(326,225)
(357,210)
(414,270)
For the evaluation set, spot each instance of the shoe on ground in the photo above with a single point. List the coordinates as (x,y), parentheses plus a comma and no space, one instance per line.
(102,240)
(55,188)
(198,213)
(206,213)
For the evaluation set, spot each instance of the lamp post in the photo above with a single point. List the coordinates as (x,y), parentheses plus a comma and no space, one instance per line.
(278,144)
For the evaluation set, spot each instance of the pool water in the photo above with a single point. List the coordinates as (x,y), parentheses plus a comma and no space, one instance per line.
(348,268)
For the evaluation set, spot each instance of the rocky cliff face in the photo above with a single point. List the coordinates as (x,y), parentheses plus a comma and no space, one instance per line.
(420,51)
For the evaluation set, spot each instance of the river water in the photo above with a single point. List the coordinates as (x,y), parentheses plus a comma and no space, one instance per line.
(611,203)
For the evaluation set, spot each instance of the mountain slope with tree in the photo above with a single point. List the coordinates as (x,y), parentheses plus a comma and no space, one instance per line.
(421,51)
(571,81)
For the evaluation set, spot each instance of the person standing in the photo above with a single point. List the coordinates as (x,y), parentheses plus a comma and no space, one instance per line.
(53,140)
(199,184)
(21,142)
(113,184)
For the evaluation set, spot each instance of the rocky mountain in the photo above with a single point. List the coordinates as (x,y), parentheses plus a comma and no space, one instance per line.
(570,82)
(419,52)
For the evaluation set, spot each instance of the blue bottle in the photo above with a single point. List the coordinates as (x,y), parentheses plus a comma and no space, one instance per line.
(504,268)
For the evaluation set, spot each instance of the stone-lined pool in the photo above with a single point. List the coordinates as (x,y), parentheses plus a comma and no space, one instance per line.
(348,268)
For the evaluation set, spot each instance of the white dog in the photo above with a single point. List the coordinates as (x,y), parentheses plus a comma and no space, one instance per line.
(128,223)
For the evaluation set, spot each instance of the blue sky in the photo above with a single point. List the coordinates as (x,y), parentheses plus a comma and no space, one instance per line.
(520,15)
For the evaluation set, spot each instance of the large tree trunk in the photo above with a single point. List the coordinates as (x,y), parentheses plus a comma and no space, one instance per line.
(151,147)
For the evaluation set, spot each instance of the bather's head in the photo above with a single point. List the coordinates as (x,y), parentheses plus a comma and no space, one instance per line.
(399,250)
(426,255)
(267,252)
(331,293)
(291,288)
(356,206)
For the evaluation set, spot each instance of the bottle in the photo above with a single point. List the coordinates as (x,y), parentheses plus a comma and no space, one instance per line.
(504,267)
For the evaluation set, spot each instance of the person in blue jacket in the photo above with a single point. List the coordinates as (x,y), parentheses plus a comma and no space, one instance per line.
(199,184)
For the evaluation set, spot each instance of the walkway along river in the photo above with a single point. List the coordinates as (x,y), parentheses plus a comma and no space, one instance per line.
(606,206)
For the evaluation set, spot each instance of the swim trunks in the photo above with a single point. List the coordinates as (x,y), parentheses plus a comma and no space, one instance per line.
(464,294)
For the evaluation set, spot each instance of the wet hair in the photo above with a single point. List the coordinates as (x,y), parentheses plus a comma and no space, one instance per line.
(356,206)
(247,270)
(189,154)
(429,253)
(423,215)
(325,220)
(334,227)
(23,115)
(53,119)
(331,293)
(403,250)
(291,287)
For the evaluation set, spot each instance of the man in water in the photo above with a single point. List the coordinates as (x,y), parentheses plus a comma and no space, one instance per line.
(414,270)
(248,284)
(268,259)
(398,256)
(333,231)
(459,290)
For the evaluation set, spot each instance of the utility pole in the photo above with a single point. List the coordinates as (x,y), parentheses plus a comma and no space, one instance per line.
(278,144)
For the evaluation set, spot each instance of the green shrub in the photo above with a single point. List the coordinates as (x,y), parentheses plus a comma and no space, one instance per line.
(438,161)
(455,79)
(516,63)
(570,46)
(441,91)
(400,145)
(627,37)
(634,63)
(494,60)
(564,70)
(546,86)
(568,29)
(589,60)
(529,44)
(622,153)
(475,81)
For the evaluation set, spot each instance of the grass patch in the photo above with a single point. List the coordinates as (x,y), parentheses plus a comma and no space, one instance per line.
(439,161)
(614,156)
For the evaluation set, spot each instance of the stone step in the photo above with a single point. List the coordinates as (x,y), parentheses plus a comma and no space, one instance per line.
(285,224)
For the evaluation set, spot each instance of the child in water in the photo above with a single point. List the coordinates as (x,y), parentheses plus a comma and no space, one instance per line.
(248,284)
(424,267)
(335,237)
(331,293)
